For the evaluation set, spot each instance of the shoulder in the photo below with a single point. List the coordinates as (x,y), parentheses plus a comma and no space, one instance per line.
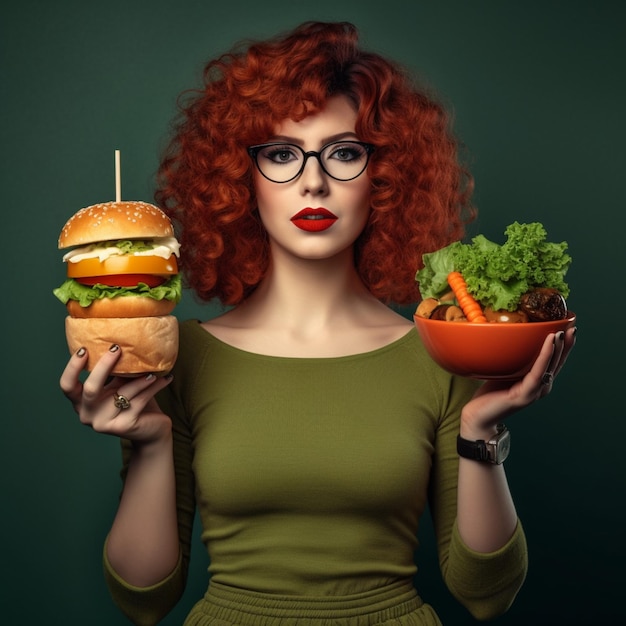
(196,348)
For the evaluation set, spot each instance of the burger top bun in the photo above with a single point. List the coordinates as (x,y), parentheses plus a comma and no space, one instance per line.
(108,221)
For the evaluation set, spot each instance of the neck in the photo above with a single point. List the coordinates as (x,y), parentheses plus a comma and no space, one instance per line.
(316,308)
(299,292)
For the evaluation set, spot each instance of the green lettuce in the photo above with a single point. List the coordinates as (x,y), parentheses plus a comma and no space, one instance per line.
(130,246)
(127,246)
(498,275)
(86,294)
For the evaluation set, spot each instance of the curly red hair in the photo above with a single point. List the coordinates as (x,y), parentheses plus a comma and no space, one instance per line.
(420,198)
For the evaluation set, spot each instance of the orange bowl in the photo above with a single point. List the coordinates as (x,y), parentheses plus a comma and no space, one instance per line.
(487,351)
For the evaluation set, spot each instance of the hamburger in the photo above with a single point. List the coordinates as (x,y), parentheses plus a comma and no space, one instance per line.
(122,285)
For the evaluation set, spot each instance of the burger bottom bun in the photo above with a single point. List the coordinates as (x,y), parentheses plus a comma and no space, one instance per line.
(148,344)
(122,306)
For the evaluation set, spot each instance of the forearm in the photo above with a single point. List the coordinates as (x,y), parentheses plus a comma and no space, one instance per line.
(143,546)
(486,515)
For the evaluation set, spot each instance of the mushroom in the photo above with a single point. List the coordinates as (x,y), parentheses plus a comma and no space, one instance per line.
(543,304)
(447,313)
(426,307)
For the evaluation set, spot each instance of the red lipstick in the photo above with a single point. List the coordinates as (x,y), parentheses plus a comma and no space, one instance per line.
(314,220)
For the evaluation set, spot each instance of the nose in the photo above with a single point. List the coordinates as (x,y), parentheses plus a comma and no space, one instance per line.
(313,178)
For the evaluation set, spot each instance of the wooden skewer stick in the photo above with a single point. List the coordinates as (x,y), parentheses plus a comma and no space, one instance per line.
(118,178)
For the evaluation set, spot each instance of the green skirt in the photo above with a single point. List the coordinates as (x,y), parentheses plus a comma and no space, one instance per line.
(396,604)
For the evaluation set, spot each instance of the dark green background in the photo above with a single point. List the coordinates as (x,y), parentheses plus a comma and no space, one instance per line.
(538,91)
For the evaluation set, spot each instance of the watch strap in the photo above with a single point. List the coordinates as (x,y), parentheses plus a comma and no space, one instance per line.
(485,451)
(474,450)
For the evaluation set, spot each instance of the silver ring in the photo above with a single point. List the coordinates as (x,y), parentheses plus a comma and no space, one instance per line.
(121,402)
(547,379)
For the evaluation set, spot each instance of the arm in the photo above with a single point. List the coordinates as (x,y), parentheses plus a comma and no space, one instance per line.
(486,515)
(146,516)
(482,547)
(148,605)
(142,550)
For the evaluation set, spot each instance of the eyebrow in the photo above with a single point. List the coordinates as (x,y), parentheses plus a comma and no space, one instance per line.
(298,142)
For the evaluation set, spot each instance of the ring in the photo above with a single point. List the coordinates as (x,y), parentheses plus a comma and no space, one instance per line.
(547,379)
(121,402)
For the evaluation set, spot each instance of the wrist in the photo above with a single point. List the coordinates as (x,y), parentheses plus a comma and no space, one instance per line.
(475,432)
(493,449)
(156,446)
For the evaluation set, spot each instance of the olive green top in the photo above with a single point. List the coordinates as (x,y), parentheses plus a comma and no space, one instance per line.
(311,474)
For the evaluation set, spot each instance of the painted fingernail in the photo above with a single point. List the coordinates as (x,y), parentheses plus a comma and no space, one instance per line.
(114,348)
(81,352)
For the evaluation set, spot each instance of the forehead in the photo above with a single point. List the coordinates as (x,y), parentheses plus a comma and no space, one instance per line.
(337,117)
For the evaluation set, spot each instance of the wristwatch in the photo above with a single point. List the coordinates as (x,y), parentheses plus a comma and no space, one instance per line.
(493,451)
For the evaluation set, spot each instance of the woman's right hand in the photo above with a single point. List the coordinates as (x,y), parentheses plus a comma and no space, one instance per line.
(95,399)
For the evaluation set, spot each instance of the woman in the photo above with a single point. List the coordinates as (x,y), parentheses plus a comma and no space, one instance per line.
(306,422)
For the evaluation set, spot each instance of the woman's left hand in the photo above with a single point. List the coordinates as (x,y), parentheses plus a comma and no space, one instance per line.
(495,400)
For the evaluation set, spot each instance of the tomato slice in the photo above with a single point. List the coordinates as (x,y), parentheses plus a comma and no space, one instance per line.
(122,280)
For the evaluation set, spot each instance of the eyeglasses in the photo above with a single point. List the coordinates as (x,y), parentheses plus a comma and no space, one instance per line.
(283,162)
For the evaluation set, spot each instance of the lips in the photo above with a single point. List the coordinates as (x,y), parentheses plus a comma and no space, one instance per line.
(314,220)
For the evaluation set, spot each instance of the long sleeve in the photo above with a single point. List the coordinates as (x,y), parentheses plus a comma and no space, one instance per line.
(486,584)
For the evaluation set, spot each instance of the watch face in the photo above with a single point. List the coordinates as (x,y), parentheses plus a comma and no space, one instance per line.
(502,447)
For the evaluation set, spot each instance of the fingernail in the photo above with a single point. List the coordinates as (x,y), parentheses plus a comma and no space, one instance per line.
(150,376)
(81,352)
(169,376)
(114,348)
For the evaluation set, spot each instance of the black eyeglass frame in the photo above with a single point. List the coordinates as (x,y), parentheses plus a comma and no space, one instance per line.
(253,151)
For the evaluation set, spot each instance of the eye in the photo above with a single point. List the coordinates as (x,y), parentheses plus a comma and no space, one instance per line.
(280,154)
(346,152)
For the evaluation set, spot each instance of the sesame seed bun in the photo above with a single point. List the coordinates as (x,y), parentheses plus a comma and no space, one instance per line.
(109,221)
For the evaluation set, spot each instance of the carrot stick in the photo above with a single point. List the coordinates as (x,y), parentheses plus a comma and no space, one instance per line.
(471,309)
